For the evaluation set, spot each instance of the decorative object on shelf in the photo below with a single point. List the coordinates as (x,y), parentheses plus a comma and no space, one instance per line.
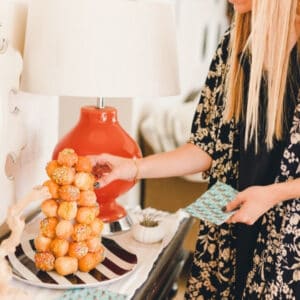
(8,246)
(101,48)
(148,230)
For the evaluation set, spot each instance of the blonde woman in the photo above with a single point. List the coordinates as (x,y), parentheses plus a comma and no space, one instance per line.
(245,132)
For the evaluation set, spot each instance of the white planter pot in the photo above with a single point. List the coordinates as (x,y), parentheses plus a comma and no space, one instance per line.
(148,234)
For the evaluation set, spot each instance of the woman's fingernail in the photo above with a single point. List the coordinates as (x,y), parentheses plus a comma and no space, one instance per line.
(223,208)
(96,185)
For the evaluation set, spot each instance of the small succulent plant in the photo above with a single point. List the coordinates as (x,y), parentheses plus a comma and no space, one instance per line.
(148,230)
(148,221)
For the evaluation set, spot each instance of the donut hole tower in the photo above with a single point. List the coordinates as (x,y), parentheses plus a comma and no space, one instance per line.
(69,238)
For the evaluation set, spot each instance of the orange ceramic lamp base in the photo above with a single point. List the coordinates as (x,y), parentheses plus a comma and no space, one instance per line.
(98,131)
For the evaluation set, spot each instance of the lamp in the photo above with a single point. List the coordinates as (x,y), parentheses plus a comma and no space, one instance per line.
(101,48)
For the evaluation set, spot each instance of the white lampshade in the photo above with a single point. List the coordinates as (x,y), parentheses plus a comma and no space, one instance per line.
(100,48)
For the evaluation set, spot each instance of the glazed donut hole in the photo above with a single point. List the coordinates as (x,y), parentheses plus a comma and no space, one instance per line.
(89,262)
(67,157)
(78,249)
(84,181)
(64,229)
(66,265)
(96,227)
(81,232)
(85,215)
(87,198)
(69,193)
(59,247)
(67,210)
(47,227)
(83,164)
(49,208)
(44,261)
(52,187)
(42,243)
(94,244)
(51,166)
(63,175)
(100,254)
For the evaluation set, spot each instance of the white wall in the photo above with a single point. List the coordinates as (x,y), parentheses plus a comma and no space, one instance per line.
(34,128)
(13,15)
(200,24)
(10,126)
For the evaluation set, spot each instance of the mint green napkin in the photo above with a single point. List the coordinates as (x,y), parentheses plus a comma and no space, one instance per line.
(209,205)
(91,294)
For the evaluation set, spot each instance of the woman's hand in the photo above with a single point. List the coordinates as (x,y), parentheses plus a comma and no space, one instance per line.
(251,203)
(115,167)
(254,201)
(184,160)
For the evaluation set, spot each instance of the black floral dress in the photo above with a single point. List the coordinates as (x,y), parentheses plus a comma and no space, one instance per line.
(275,270)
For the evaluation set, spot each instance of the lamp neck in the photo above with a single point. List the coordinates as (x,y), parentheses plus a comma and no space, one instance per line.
(100,102)
(94,114)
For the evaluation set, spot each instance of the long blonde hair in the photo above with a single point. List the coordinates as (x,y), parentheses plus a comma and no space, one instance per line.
(265,33)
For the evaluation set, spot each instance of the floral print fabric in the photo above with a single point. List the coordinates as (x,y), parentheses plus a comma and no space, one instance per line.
(276,261)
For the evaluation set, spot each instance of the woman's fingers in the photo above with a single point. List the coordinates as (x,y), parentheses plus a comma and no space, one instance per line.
(105,180)
(107,168)
(100,158)
(234,204)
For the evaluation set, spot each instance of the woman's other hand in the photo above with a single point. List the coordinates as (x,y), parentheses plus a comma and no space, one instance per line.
(251,203)
(107,168)
(254,201)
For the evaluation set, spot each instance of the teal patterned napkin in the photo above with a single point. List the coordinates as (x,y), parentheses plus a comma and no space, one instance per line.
(208,207)
(91,294)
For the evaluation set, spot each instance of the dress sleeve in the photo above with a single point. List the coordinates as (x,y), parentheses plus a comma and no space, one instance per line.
(206,118)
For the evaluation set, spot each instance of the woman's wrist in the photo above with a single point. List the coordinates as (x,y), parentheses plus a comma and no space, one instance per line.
(284,191)
(137,169)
